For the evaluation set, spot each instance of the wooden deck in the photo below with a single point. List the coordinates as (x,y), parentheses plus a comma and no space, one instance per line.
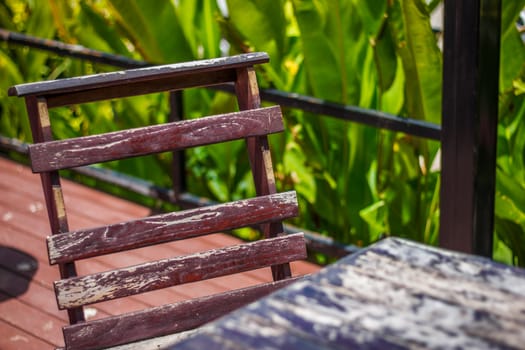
(29,318)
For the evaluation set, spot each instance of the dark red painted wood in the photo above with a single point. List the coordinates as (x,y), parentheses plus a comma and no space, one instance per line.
(163,320)
(154,139)
(38,113)
(109,285)
(172,226)
(247,91)
(189,70)
(268,209)
(141,88)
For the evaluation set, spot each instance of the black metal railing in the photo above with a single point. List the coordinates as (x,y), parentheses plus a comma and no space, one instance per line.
(469,122)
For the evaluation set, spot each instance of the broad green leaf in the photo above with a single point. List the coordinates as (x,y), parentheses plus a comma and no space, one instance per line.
(262,23)
(508,186)
(385,57)
(96,33)
(372,14)
(416,45)
(198,20)
(512,235)
(392,100)
(322,63)
(153,28)
(512,60)
(373,215)
(210,36)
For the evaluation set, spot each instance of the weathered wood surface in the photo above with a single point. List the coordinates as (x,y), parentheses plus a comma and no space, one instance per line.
(141,88)
(123,78)
(394,295)
(93,149)
(32,321)
(81,244)
(165,319)
(252,123)
(109,285)
(248,97)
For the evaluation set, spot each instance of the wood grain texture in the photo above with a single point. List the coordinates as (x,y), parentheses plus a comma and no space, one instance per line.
(247,91)
(39,120)
(164,273)
(86,150)
(25,227)
(172,226)
(46,88)
(163,320)
(253,124)
(394,295)
(141,88)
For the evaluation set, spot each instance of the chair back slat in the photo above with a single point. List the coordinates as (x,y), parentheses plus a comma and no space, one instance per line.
(140,88)
(55,155)
(165,319)
(81,244)
(109,285)
(184,71)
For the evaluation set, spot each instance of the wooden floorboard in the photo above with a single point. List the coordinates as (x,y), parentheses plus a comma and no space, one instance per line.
(29,318)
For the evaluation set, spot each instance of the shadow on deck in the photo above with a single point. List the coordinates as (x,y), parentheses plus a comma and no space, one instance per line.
(29,317)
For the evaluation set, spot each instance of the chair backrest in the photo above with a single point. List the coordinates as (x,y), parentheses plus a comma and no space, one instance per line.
(267,209)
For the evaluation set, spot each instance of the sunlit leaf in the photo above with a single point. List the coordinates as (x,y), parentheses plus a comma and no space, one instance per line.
(416,45)
(153,26)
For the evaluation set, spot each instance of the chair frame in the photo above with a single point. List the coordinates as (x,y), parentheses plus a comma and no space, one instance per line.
(268,209)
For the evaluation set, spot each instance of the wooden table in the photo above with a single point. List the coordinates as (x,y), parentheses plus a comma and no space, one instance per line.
(395,294)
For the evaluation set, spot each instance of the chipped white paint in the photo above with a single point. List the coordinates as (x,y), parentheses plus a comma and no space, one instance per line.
(165,137)
(190,219)
(163,273)
(394,294)
(172,226)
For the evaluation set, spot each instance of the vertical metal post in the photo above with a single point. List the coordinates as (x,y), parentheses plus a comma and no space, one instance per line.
(178,175)
(469,124)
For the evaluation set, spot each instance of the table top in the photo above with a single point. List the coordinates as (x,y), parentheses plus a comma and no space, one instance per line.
(396,294)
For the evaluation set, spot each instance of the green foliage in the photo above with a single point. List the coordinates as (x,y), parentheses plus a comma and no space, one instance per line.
(355,183)
(510,206)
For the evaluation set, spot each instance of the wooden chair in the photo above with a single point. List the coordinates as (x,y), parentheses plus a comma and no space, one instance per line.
(267,209)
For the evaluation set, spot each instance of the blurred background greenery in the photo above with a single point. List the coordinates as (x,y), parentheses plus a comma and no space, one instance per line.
(355,183)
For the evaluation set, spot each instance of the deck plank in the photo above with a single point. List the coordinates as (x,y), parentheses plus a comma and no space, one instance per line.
(29,318)
(16,338)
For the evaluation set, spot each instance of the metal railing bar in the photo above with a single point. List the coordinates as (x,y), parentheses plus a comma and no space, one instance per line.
(349,113)
(314,241)
(292,100)
(77,51)
(360,115)
(10,144)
